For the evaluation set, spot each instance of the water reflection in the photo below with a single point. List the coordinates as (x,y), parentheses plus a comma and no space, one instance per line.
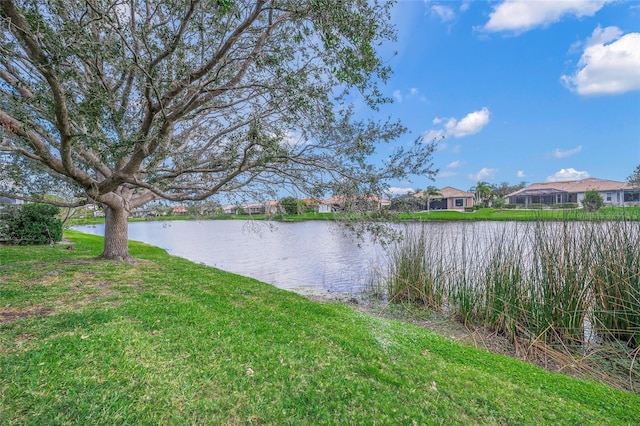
(294,256)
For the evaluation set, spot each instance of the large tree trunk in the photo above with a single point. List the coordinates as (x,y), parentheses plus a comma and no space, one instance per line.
(116,233)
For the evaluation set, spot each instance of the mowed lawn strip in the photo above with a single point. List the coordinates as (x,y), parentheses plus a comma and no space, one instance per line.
(168,341)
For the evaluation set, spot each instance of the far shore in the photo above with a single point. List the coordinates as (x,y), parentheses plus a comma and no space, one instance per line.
(484,214)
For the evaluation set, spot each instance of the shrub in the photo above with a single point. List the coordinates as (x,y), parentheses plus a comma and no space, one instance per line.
(539,206)
(511,206)
(567,205)
(592,201)
(469,209)
(499,203)
(291,205)
(30,224)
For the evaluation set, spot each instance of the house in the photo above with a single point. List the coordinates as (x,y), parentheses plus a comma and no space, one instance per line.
(267,207)
(178,210)
(613,193)
(449,198)
(337,203)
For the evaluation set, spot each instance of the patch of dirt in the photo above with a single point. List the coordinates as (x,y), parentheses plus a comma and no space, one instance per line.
(77,261)
(40,279)
(15,314)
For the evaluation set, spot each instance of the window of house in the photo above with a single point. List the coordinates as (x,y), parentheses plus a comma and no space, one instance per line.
(459,202)
(631,196)
(609,195)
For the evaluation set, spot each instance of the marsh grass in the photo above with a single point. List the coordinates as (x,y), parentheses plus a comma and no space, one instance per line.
(569,286)
(414,277)
(616,284)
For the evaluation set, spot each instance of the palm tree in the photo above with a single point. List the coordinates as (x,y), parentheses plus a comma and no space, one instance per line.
(429,193)
(483,193)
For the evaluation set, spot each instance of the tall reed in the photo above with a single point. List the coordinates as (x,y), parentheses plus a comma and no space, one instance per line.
(616,283)
(503,293)
(541,281)
(416,270)
(560,281)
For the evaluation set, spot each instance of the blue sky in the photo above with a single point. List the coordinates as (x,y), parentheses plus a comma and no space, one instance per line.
(530,91)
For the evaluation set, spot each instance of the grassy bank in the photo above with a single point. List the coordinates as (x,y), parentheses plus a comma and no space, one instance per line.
(492,214)
(167,341)
(486,214)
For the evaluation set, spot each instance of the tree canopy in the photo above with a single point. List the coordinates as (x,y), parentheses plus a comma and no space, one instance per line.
(120,103)
(634,178)
(483,193)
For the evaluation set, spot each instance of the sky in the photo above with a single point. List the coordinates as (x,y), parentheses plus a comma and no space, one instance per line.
(533,91)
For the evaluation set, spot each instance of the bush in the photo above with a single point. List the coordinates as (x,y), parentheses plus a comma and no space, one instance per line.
(538,206)
(499,203)
(291,205)
(30,224)
(511,206)
(565,206)
(469,209)
(592,201)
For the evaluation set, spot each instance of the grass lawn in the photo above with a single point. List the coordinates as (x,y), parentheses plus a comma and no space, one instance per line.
(167,341)
(605,213)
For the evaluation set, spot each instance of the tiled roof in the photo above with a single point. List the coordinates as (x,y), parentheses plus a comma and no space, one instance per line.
(582,185)
(448,192)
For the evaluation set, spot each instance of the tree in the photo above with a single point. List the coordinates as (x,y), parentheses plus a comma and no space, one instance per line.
(634,178)
(592,200)
(505,188)
(291,205)
(429,194)
(483,193)
(122,103)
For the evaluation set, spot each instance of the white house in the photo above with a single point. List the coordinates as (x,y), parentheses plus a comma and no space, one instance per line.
(612,192)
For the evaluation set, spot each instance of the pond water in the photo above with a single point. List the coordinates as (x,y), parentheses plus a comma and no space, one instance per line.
(313,255)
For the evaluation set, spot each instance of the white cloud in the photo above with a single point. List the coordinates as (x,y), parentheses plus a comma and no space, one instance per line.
(433,135)
(455,164)
(520,174)
(484,174)
(564,153)
(290,138)
(399,96)
(523,15)
(610,64)
(471,124)
(446,174)
(567,174)
(399,191)
(445,13)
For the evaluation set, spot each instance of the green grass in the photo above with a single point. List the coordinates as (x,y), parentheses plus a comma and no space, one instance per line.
(605,213)
(167,341)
